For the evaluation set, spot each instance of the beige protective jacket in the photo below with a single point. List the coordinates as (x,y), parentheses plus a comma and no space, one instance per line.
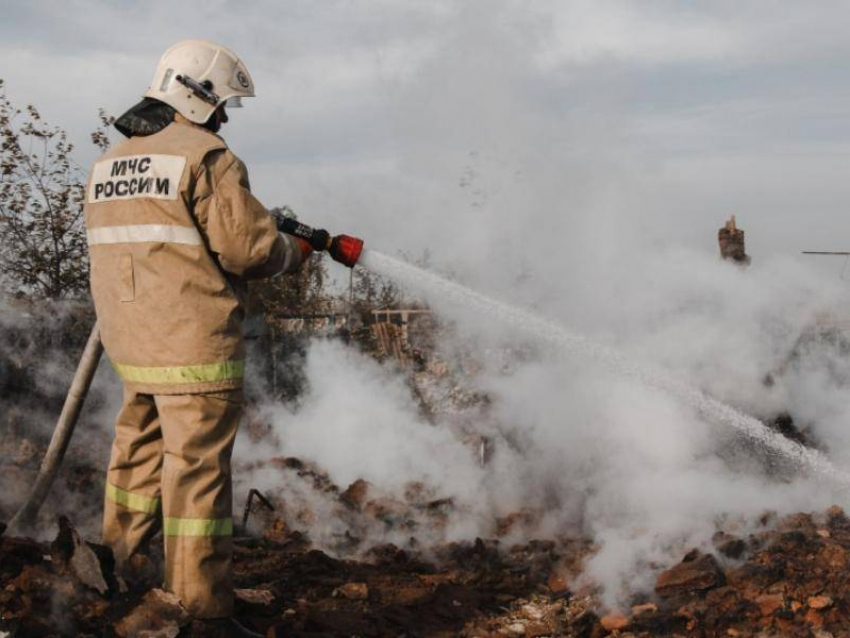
(174,234)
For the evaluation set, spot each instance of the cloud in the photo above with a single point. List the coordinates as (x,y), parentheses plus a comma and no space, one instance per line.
(381,103)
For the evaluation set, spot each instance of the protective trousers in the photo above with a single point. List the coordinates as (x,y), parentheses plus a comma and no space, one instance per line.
(172,453)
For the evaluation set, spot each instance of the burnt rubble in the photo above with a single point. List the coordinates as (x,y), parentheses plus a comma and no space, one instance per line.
(786,578)
(313,558)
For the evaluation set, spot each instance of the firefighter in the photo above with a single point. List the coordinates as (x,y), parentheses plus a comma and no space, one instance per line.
(174,235)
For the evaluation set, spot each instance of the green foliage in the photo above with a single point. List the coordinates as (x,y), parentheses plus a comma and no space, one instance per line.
(43,250)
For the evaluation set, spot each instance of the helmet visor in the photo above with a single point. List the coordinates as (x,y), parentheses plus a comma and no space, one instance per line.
(234,102)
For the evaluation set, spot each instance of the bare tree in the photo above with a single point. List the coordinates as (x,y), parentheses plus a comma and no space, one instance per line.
(42,231)
(300,293)
(372,291)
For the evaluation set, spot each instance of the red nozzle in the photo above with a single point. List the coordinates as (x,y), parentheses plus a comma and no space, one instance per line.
(346,249)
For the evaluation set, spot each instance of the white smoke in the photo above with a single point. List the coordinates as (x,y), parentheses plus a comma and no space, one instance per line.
(512,164)
(643,474)
(381,442)
(38,356)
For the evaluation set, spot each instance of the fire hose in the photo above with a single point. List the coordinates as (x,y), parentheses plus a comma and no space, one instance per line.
(25,517)
(342,248)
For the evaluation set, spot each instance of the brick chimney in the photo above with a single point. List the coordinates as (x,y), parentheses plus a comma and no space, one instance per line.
(731,240)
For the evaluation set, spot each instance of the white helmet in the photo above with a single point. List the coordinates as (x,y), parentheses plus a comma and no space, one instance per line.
(196,76)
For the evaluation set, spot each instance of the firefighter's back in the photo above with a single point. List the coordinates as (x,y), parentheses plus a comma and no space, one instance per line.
(170,320)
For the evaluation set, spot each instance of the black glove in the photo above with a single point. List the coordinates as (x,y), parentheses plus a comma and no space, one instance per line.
(318,238)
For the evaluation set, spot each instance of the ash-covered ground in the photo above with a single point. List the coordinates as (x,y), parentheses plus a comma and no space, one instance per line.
(334,546)
(786,578)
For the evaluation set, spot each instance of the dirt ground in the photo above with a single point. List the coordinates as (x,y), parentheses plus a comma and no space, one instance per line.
(789,578)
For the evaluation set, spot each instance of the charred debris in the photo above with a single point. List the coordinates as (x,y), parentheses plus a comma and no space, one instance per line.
(785,577)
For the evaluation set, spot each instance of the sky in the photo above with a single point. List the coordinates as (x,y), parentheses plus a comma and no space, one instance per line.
(471,128)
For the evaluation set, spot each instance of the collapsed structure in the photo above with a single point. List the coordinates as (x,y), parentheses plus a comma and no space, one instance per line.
(731,240)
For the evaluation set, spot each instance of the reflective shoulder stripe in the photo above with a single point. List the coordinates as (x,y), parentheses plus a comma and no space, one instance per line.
(138,502)
(200,373)
(141,233)
(197,526)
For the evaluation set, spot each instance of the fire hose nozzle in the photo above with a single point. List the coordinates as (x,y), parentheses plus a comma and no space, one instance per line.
(344,249)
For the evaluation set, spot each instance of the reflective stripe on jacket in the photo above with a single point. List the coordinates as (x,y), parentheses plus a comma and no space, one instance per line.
(174,234)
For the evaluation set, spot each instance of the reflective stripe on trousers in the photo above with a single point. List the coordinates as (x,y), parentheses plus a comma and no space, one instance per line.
(171,526)
(137,502)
